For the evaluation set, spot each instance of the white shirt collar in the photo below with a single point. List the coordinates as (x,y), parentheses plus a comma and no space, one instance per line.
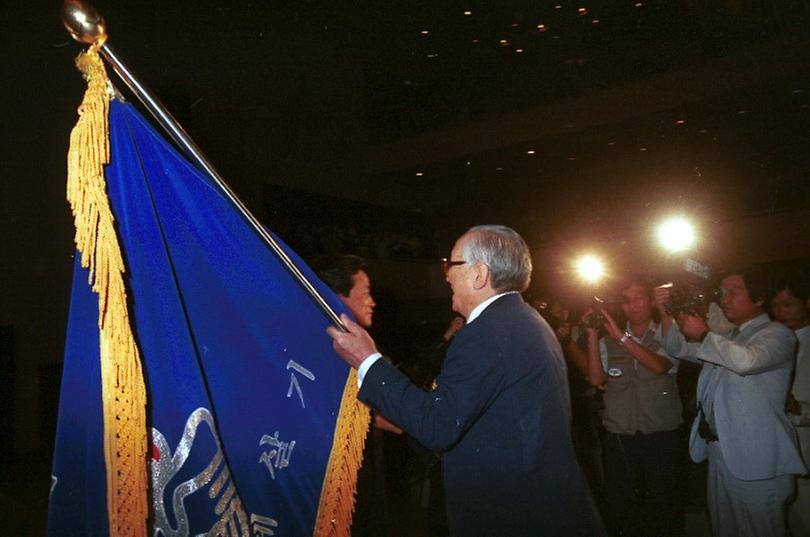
(652,327)
(759,319)
(483,305)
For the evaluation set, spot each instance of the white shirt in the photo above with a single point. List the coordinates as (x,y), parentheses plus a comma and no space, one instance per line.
(371,359)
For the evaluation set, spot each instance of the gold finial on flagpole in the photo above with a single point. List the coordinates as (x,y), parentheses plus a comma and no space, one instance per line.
(83,22)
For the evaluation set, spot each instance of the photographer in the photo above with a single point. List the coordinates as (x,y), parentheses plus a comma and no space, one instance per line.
(741,425)
(642,412)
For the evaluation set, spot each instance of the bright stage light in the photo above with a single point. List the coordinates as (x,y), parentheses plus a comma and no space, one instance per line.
(590,268)
(676,234)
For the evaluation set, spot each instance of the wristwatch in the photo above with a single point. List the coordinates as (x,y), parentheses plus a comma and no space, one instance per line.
(627,335)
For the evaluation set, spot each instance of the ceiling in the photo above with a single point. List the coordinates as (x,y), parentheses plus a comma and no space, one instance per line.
(574,122)
(428,65)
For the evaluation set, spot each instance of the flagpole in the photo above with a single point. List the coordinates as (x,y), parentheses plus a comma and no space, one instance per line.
(87,26)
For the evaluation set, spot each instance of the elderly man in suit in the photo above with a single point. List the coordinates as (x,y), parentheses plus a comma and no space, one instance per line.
(741,425)
(500,411)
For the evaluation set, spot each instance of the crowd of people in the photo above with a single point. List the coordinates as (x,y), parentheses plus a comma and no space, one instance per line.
(492,405)
(748,354)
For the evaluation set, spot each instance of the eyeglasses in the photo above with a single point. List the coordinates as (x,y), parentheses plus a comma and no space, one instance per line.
(447,263)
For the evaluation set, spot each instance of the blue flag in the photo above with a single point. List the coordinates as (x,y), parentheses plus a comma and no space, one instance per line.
(243,388)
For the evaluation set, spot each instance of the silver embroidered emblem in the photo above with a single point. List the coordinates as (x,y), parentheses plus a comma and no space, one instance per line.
(216,477)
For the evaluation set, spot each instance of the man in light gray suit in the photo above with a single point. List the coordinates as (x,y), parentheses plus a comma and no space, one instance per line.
(741,425)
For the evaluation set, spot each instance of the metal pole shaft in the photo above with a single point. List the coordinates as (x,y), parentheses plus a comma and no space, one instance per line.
(173,128)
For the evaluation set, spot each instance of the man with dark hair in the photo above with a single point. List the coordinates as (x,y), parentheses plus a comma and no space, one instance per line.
(500,411)
(791,307)
(741,425)
(347,276)
(642,413)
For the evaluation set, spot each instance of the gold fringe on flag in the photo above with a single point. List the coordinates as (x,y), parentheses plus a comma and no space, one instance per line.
(336,506)
(123,391)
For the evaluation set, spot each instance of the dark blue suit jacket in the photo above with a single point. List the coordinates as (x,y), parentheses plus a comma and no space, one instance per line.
(501,414)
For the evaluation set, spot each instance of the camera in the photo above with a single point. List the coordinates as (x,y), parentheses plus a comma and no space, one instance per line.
(691,293)
(595,318)
(689,299)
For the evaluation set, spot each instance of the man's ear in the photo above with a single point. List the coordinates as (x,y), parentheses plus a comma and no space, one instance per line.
(481,276)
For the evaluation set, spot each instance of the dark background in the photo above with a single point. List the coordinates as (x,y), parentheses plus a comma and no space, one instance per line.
(345,127)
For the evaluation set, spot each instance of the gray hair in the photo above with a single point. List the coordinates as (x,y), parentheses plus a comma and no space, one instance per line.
(505,253)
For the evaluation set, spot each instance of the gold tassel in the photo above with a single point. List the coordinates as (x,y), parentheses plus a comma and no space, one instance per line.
(334,518)
(122,384)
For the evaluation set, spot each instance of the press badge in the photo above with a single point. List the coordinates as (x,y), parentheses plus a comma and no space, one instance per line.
(614,372)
